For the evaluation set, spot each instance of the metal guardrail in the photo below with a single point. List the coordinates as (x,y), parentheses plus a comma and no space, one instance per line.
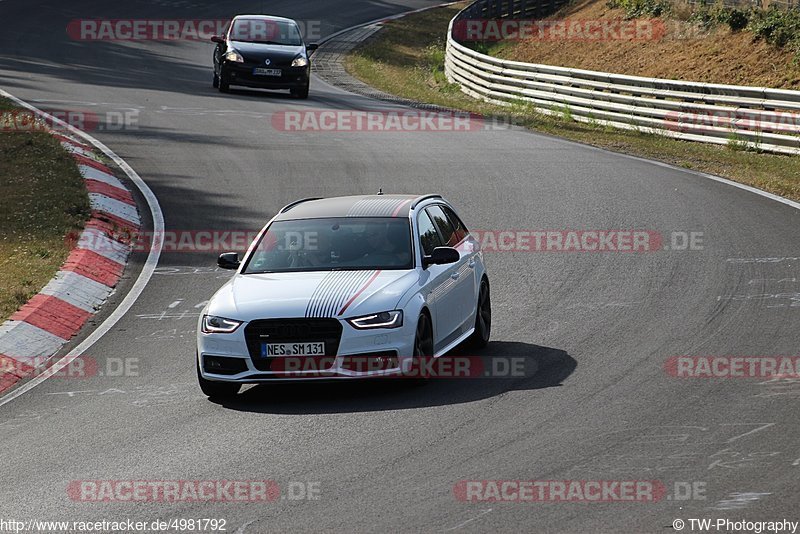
(506,9)
(757,117)
(746,4)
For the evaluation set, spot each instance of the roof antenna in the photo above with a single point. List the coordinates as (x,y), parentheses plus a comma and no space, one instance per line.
(380,191)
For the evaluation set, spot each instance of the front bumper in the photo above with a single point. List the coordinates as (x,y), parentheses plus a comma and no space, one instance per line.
(360,354)
(242,74)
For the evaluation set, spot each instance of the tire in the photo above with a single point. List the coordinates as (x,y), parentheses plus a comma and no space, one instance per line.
(302,94)
(483,317)
(224,85)
(215,82)
(216,390)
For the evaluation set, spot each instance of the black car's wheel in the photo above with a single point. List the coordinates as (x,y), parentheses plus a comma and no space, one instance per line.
(216,390)
(215,83)
(224,85)
(303,92)
(483,317)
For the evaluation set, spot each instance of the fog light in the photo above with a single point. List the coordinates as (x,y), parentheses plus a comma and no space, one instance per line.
(220,365)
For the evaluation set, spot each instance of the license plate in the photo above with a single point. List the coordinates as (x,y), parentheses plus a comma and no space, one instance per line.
(266,72)
(282,350)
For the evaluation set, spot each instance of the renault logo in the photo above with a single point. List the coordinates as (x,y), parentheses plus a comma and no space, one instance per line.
(268,62)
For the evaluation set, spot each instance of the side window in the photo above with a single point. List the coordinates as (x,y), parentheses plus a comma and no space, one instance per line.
(428,236)
(444,226)
(460,230)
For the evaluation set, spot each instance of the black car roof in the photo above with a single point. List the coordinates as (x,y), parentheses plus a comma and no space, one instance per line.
(351,206)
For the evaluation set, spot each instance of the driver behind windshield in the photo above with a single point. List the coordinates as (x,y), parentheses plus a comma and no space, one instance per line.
(266,31)
(325,244)
(383,240)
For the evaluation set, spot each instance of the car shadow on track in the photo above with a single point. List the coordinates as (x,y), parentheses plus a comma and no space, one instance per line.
(259,93)
(536,367)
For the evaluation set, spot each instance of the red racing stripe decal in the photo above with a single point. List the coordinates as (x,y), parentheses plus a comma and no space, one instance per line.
(400,207)
(354,297)
(53,315)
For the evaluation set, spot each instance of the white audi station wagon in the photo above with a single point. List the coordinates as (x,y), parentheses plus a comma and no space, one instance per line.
(345,288)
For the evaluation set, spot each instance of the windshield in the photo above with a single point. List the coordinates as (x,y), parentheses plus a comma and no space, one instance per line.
(266,31)
(333,244)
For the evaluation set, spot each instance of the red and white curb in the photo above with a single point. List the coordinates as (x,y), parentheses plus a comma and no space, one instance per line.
(93,268)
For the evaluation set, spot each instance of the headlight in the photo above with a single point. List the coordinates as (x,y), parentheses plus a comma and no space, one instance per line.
(300,62)
(233,55)
(219,325)
(389,319)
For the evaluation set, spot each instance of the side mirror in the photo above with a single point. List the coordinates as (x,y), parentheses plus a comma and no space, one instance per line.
(229,260)
(217,39)
(311,47)
(441,256)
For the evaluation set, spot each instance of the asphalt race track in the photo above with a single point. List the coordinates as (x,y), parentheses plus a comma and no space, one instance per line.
(594,329)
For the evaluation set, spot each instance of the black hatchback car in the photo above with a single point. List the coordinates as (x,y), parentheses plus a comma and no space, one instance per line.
(263,52)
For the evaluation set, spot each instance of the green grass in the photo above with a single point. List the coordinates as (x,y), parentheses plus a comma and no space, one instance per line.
(642,8)
(406,59)
(42,200)
(778,27)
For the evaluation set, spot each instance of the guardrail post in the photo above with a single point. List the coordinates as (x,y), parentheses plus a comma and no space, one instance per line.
(497,10)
